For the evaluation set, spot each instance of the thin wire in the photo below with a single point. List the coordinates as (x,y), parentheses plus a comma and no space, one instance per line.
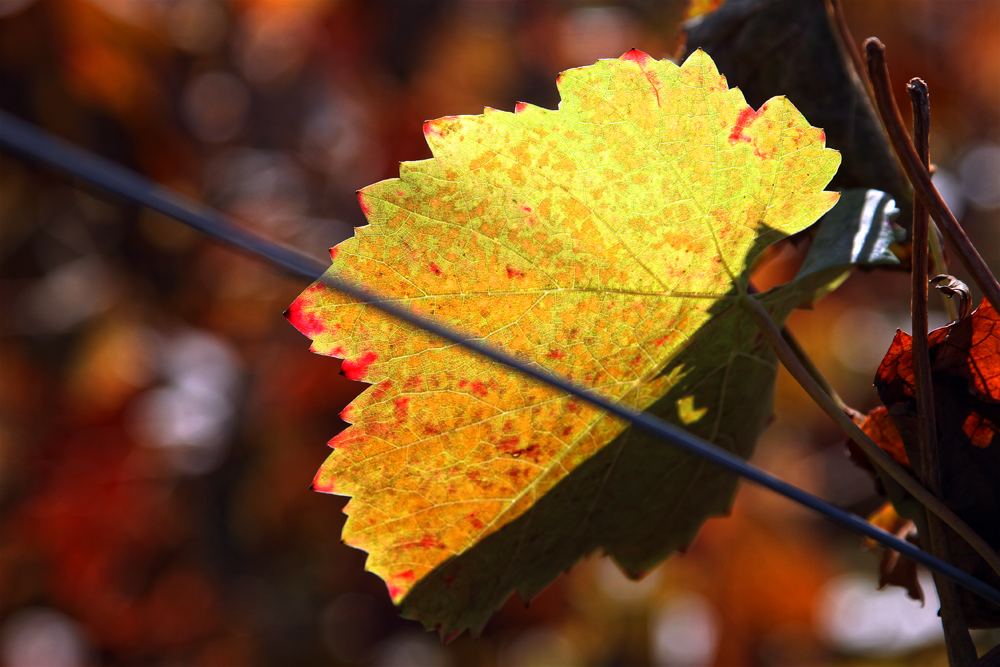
(33,143)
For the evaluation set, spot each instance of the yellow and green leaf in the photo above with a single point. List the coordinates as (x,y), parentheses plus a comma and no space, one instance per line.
(607,241)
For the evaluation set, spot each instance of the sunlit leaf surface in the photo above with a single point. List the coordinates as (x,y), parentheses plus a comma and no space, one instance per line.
(607,241)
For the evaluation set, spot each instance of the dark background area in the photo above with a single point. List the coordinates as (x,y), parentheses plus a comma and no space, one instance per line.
(160,422)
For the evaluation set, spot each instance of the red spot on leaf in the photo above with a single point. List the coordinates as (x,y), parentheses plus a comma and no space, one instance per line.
(435,269)
(476,523)
(514,273)
(462,384)
(661,341)
(380,390)
(479,389)
(355,369)
(822,136)
(508,444)
(394,591)
(333,252)
(407,576)
(526,209)
(555,354)
(567,430)
(743,121)
(429,541)
(402,411)
(520,107)
(476,478)
(345,414)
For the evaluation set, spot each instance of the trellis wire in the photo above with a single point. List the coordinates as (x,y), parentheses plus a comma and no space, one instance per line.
(33,143)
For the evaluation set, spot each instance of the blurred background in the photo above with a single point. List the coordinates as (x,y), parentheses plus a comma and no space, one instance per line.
(160,422)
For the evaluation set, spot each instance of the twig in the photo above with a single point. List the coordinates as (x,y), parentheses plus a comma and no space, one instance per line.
(878,74)
(835,10)
(875,454)
(961,650)
(27,140)
(843,32)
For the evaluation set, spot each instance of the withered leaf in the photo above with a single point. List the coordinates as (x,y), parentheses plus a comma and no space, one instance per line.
(965,368)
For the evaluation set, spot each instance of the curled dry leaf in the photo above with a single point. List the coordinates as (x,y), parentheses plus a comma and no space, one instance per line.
(894,568)
(607,241)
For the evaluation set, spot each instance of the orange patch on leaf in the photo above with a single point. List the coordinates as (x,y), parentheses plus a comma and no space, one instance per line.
(979,429)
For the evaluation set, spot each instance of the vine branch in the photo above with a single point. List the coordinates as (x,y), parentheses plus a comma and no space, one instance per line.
(920,177)
(961,650)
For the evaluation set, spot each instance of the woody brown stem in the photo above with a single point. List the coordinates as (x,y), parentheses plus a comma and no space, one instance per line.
(961,650)
(920,177)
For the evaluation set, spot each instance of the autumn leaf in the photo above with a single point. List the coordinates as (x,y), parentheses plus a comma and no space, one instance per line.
(813,70)
(894,568)
(965,372)
(608,241)
(878,426)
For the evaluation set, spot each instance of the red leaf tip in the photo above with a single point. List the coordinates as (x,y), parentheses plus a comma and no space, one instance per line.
(638,57)
(356,369)
(365,208)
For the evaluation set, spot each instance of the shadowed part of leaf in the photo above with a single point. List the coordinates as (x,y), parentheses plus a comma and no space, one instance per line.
(858,230)
(788,47)
(652,498)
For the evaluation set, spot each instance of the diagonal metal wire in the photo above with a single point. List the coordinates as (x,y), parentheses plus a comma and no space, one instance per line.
(33,143)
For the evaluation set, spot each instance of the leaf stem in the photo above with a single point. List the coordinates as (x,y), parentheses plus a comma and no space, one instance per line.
(961,650)
(878,75)
(878,457)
